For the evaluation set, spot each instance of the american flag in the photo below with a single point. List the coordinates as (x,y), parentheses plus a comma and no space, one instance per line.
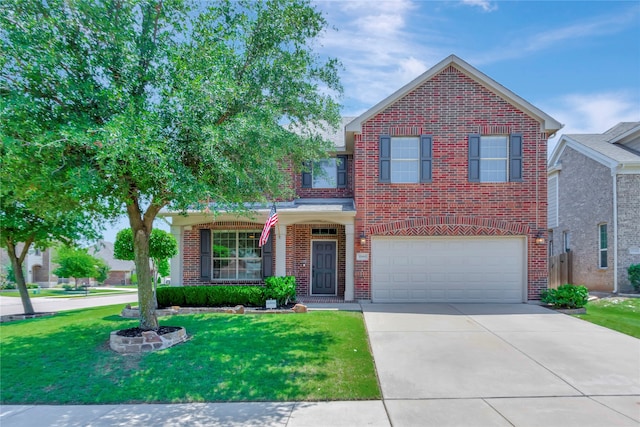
(273,218)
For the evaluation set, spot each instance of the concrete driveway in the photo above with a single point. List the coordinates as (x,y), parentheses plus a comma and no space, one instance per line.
(501,365)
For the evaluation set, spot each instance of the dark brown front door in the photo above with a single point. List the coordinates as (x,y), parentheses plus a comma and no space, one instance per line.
(323,268)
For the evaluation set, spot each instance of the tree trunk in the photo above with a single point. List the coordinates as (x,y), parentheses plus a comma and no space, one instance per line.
(146,298)
(16,264)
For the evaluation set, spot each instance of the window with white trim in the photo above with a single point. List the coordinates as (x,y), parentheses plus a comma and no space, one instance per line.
(236,255)
(566,238)
(603,251)
(405,159)
(326,173)
(495,158)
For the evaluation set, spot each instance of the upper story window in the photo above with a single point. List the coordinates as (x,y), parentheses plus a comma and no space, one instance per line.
(326,173)
(405,159)
(495,158)
(603,261)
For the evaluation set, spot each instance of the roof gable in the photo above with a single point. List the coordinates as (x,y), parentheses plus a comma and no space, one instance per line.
(599,148)
(548,124)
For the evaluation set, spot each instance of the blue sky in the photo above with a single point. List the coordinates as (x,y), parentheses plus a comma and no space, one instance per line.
(578,61)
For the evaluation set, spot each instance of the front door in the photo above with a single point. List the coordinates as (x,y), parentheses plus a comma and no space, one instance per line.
(323,268)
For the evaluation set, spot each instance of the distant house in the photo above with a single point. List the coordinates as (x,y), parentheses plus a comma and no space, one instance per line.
(119,270)
(435,194)
(594,205)
(37,266)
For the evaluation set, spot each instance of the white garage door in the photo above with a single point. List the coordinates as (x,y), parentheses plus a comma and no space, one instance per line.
(448,269)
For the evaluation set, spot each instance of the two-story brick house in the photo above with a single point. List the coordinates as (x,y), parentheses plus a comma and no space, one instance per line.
(439,195)
(594,205)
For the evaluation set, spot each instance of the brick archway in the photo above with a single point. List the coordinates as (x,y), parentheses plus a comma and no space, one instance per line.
(449,226)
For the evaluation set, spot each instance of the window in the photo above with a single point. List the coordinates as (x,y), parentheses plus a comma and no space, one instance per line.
(566,238)
(327,173)
(495,158)
(405,159)
(602,246)
(236,255)
(324,232)
(552,201)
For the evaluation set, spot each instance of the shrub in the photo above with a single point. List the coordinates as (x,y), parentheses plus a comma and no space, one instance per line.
(67,287)
(566,296)
(280,288)
(634,276)
(8,286)
(210,296)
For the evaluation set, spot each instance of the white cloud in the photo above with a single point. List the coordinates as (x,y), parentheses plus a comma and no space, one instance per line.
(592,112)
(485,5)
(377,47)
(549,39)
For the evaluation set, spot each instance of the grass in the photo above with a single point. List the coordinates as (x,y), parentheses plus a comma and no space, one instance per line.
(619,314)
(60,293)
(66,359)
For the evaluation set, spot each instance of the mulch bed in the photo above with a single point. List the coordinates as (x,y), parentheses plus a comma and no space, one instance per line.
(137,332)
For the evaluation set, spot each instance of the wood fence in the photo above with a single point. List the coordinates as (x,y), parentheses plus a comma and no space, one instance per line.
(560,270)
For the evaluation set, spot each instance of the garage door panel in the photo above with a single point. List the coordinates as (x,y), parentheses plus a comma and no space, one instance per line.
(466,269)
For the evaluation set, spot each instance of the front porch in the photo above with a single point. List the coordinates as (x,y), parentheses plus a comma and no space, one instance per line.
(313,240)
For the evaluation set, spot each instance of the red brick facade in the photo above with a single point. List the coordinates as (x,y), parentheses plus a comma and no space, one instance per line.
(450,106)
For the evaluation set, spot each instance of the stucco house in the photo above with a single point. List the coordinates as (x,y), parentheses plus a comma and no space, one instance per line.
(435,194)
(594,205)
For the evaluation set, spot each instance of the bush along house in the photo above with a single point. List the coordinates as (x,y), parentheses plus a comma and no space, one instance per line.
(435,194)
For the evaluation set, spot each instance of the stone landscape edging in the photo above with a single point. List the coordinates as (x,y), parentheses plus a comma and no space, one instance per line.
(134,312)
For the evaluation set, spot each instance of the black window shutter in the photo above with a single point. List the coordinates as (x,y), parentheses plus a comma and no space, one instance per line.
(426,157)
(515,157)
(341,163)
(385,158)
(205,254)
(306,175)
(267,256)
(474,158)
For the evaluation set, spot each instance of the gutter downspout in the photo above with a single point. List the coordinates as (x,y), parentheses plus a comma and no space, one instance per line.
(615,228)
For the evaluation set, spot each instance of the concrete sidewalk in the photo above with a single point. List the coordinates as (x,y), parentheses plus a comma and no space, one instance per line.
(289,414)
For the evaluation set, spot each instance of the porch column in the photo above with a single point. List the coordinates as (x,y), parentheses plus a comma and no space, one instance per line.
(176,265)
(281,249)
(350,257)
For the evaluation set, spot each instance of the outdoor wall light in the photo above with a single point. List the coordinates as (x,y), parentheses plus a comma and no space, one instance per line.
(363,239)
(540,239)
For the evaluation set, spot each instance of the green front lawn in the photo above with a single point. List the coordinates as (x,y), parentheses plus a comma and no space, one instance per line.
(66,359)
(619,314)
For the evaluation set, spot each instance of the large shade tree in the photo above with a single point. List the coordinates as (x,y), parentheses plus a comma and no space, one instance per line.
(172,103)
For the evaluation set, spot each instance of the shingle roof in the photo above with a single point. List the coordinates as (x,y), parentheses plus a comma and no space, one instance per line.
(620,128)
(600,143)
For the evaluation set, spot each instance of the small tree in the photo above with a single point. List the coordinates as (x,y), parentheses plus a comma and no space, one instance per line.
(162,246)
(164,269)
(634,276)
(76,263)
(102,270)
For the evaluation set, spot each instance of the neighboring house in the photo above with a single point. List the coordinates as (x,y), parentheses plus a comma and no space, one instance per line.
(37,266)
(594,205)
(119,270)
(435,194)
